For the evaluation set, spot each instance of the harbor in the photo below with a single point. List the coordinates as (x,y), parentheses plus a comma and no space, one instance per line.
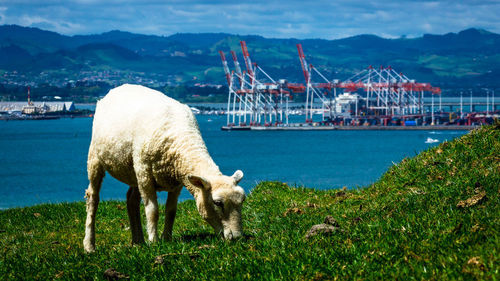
(375,98)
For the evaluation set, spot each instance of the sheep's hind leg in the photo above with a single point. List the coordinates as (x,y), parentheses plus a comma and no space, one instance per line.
(134,214)
(96,174)
(170,212)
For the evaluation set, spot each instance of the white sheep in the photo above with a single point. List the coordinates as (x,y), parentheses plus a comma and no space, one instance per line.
(152,143)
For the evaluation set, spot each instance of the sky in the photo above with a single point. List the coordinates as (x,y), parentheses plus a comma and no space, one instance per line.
(326,19)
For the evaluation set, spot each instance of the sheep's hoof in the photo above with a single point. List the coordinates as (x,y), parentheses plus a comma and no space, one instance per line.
(166,238)
(88,247)
(137,241)
(89,250)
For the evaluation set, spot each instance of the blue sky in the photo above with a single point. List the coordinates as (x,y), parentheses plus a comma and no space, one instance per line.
(277,19)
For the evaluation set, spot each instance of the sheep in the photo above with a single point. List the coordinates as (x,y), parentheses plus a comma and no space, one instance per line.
(152,143)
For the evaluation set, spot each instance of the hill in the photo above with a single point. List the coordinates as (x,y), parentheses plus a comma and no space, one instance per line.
(433,216)
(464,59)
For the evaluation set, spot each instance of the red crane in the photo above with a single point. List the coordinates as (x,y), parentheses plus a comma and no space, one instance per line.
(237,67)
(248,62)
(226,68)
(303,63)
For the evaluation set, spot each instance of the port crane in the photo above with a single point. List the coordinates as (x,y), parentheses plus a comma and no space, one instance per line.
(254,100)
(387,91)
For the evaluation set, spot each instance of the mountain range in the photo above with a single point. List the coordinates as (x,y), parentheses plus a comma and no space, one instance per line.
(469,58)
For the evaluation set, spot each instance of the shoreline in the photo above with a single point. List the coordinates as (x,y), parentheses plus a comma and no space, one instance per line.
(351,128)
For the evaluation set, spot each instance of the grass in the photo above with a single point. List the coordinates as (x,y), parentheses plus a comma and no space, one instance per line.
(434,216)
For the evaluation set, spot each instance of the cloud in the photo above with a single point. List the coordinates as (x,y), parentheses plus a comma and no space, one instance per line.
(278,19)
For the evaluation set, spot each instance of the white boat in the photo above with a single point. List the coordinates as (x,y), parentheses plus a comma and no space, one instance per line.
(431,140)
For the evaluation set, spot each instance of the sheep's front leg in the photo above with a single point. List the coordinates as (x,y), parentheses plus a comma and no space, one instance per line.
(149,198)
(151,207)
(170,212)
(134,214)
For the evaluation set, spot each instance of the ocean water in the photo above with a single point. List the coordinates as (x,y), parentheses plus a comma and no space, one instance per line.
(45,161)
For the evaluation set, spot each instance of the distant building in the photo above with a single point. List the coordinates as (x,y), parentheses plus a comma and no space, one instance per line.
(38,107)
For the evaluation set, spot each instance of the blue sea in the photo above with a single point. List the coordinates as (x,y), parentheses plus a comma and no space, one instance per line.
(45,161)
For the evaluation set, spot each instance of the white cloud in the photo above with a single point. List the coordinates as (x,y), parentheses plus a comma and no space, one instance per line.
(44,23)
(294,30)
(2,15)
(281,19)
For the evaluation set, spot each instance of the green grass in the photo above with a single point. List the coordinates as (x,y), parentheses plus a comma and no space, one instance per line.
(407,225)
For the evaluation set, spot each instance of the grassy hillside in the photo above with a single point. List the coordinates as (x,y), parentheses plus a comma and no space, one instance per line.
(434,216)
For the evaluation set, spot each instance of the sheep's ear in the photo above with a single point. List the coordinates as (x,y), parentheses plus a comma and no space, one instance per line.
(237,176)
(200,182)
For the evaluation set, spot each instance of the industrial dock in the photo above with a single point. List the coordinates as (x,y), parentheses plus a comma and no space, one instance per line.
(376,98)
(349,128)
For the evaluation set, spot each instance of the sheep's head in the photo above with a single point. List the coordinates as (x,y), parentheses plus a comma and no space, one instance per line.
(221,203)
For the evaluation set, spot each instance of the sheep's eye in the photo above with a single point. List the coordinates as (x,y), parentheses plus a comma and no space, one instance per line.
(219,204)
